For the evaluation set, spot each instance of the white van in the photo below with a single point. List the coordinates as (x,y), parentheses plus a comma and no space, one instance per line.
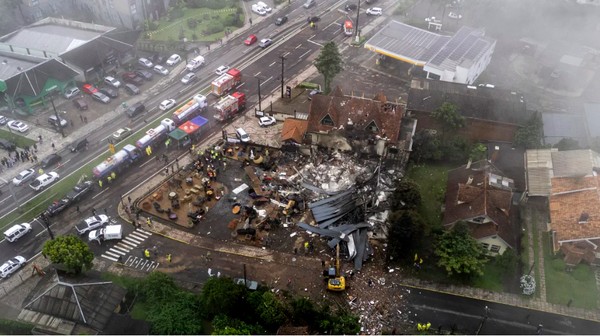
(258,9)
(17,231)
(110,232)
(242,135)
(195,63)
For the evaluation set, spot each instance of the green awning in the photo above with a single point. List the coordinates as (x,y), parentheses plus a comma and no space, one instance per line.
(178,134)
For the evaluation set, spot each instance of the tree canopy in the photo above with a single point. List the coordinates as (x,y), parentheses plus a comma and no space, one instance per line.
(407,195)
(405,231)
(449,118)
(222,296)
(529,136)
(329,64)
(459,253)
(70,251)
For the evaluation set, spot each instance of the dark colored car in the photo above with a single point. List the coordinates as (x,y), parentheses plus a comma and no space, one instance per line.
(8,145)
(80,190)
(57,206)
(350,7)
(132,78)
(79,145)
(281,20)
(51,160)
(145,74)
(313,19)
(158,59)
(132,89)
(80,103)
(371,1)
(112,93)
(135,109)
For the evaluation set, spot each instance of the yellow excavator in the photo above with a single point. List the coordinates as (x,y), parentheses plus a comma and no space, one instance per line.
(336,281)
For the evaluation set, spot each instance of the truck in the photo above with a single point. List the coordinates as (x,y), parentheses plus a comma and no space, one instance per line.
(195,63)
(190,109)
(229,106)
(109,232)
(226,82)
(348,28)
(120,160)
(156,134)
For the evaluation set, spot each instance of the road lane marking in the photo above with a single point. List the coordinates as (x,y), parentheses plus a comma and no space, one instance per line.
(306,53)
(298,46)
(121,249)
(268,79)
(109,257)
(145,163)
(258,73)
(272,63)
(112,254)
(100,193)
(287,53)
(319,44)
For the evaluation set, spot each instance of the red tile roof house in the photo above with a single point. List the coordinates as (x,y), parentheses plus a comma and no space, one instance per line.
(478,194)
(348,123)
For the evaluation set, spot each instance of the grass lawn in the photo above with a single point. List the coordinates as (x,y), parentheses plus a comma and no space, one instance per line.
(432,180)
(492,279)
(18,139)
(578,285)
(171,30)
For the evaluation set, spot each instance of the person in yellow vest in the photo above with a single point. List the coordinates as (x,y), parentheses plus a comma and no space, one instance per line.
(40,171)
(109,179)
(169,257)
(100,183)
(147,253)
(113,175)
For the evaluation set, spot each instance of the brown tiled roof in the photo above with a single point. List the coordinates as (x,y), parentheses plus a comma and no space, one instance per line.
(293,129)
(466,200)
(359,111)
(571,199)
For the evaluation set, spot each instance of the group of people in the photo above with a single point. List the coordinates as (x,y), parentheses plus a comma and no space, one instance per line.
(27,154)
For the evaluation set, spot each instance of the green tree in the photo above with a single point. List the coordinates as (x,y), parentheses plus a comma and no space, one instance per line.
(407,195)
(459,253)
(529,136)
(567,144)
(69,251)
(176,315)
(426,147)
(158,287)
(329,64)
(225,325)
(271,311)
(478,152)
(449,118)
(222,296)
(405,231)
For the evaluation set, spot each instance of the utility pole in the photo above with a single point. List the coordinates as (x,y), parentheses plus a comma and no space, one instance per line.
(357,16)
(259,97)
(60,127)
(282,67)
(46,222)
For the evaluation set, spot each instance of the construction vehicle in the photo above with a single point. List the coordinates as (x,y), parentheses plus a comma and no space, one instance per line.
(229,106)
(336,281)
(226,82)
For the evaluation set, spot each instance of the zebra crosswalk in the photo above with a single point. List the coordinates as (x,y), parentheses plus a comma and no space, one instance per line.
(123,247)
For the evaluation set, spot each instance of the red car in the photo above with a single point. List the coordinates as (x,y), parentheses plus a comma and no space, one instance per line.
(89,88)
(250,40)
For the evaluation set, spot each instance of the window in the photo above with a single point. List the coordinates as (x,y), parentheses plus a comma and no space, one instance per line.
(327,121)
(486,246)
(495,248)
(372,127)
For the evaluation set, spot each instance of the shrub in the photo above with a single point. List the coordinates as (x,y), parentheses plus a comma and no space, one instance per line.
(213,27)
(9,327)
(175,13)
(194,37)
(192,23)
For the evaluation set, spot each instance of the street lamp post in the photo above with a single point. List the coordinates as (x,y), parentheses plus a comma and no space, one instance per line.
(62,131)
(282,68)
(259,97)
(357,17)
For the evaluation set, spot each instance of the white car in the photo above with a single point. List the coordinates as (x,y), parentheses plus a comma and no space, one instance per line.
(188,78)
(23,177)
(222,69)
(43,181)
(91,223)
(454,15)
(266,121)
(161,70)
(121,134)
(71,92)
(11,266)
(265,7)
(112,81)
(174,59)
(258,10)
(18,126)
(265,43)
(374,11)
(167,104)
(145,63)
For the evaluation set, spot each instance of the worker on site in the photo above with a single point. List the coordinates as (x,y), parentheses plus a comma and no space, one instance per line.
(169,257)
(113,175)
(100,183)
(149,221)
(109,179)
(147,254)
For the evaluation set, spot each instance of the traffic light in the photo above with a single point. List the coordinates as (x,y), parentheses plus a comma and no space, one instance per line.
(288,91)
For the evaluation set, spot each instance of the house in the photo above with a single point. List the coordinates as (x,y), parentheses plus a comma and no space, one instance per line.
(293,130)
(369,126)
(491,113)
(479,194)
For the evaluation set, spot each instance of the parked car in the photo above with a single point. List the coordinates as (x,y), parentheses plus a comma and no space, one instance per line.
(265,43)
(314,19)
(18,126)
(80,104)
(167,104)
(43,181)
(454,15)
(11,266)
(112,81)
(89,88)
(174,59)
(17,231)
(8,145)
(101,97)
(188,78)
(350,7)
(374,11)
(313,93)
(145,63)
(3,120)
(132,78)
(135,109)
(80,190)
(158,59)
(112,93)
(258,10)
(121,134)
(91,223)
(265,6)
(57,121)
(57,206)
(222,70)
(71,92)
(371,1)
(79,145)
(309,3)
(281,20)
(50,160)
(250,40)
(144,74)
(161,70)
(266,121)
(23,177)
(132,89)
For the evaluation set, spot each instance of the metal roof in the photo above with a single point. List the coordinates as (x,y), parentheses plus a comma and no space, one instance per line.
(575,163)
(539,171)
(466,46)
